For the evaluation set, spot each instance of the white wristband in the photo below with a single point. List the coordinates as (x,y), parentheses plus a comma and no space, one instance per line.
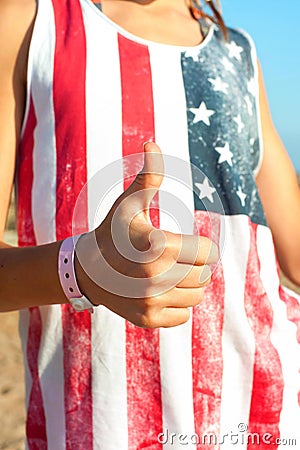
(67,276)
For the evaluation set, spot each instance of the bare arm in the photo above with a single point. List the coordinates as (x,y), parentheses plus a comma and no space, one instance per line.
(280,194)
(152,293)
(28,276)
(15,30)
(19,267)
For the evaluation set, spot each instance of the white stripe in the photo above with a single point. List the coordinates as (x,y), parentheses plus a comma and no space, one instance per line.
(109,381)
(24,318)
(283,337)
(172,136)
(104,146)
(30,65)
(104,116)
(238,342)
(51,372)
(177,385)
(44,155)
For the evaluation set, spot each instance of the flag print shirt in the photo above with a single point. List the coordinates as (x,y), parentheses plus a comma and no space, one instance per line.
(95,94)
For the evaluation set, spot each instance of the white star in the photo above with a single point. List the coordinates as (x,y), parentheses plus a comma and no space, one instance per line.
(239,122)
(252,140)
(219,85)
(252,87)
(202,114)
(234,50)
(206,190)
(192,53)
(225,154)
(249,105)
(228,65)
(242,196)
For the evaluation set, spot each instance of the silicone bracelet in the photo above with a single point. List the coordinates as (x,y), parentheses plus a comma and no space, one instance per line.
(67,276)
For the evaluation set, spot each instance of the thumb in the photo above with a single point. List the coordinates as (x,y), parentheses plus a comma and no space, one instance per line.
(153,171)
(148,181)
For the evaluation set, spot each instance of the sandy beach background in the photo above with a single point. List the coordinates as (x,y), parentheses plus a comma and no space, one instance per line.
(12,411)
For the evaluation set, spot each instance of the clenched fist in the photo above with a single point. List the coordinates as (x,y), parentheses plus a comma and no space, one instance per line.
(146,275)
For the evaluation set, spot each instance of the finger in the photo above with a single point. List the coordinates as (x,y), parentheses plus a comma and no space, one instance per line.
(171,317)
(156,317)
(184,298)
(190,249)
(148,181)
(187,276)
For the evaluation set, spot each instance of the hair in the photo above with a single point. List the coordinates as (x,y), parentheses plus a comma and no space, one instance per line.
(197,11)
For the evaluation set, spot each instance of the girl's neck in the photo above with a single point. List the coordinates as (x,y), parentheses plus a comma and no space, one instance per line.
(164,21)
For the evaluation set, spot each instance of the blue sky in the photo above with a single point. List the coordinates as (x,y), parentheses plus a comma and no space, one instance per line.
(274,26)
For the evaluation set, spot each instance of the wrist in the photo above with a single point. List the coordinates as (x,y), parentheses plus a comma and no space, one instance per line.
(68,278)
(84,260)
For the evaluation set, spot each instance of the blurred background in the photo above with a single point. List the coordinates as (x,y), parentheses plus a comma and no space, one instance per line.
(12,411)
(274,28)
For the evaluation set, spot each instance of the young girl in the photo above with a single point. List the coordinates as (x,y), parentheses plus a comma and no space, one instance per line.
(82,87)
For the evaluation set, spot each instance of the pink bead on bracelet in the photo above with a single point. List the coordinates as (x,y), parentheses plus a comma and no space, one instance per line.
(67,276)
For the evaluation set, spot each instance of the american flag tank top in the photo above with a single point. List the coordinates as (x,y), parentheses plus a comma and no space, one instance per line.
(230,375)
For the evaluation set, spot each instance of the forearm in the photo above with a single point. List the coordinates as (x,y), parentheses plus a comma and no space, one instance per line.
(287,243)
(29,277)
(280,195)
(279,191)
(283,216)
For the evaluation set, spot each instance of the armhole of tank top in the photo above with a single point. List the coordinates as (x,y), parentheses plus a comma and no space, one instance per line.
(205,26)
(97,3)
(259,124)
(29,70)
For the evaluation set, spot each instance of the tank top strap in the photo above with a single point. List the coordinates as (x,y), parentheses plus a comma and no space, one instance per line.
(98,4)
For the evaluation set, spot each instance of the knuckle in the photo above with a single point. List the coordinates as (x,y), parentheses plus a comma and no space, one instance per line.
(150,272)
(205,275)
(161,283)
(147,320)
(158,241)
(158,271)
(147,315)
(210,248)
(148,304)
(205,241)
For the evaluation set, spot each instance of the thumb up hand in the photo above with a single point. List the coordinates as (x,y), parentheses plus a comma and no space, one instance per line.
(146,275)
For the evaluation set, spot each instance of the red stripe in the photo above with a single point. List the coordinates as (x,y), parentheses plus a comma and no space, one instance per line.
(69,109)
(207,340)
(267,389)
(292,310)
(142,346)
(25,181)
(36,422)
(293,314)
